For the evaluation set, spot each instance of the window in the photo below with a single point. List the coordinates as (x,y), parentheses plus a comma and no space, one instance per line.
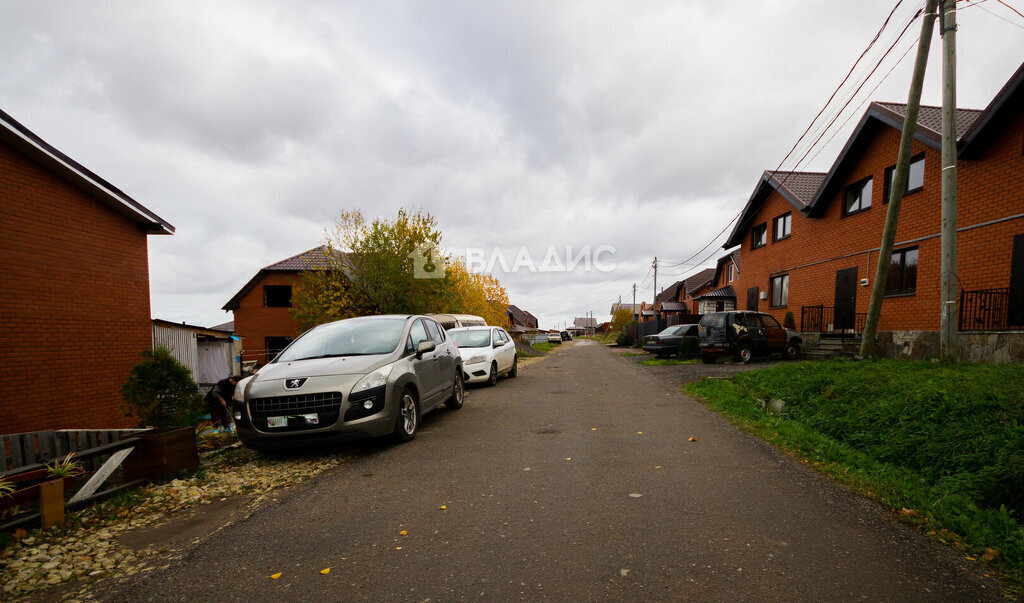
(780,290)
(769,321)
(435,331)
(781,226)
(857,197)
(277,296)
(915,177)
(732,272)
(759,236)
(274,345)
(902,272)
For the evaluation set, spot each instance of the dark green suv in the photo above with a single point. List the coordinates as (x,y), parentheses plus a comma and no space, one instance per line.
(743,335)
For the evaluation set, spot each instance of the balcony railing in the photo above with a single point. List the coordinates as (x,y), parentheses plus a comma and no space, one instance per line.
(823,319)
(992,310)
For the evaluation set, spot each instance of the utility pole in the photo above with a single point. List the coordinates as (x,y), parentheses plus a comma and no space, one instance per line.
(948,324)
(635,318)
(655,306)
(899,183)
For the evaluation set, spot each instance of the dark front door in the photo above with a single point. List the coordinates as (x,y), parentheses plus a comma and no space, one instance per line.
(846,298)
(1015,309)
(752,294)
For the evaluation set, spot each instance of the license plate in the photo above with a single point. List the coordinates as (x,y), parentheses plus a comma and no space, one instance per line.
(277,421)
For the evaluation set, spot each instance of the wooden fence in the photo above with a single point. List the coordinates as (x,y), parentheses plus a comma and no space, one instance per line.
(23,449)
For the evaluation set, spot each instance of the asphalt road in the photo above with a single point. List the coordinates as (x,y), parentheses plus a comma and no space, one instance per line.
(576,481)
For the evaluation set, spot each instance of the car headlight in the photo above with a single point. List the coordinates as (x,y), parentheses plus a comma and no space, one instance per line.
(239,395)
(377,378)
(477,358)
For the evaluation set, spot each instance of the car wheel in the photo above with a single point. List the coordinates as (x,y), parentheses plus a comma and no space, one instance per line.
(492,379)
(408,422)
(744,353)
(515,367)
(792,351)
(458,394)
(707,358)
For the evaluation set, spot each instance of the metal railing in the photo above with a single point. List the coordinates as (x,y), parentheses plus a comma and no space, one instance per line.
(999,309)
(823,319)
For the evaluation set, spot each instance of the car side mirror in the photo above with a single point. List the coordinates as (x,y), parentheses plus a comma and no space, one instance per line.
(424,347)
(497,344)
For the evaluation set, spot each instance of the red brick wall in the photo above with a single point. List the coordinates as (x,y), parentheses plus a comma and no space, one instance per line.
(74,303)
(989,188)
(254,323)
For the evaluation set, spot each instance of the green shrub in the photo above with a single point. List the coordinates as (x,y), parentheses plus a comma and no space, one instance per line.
(624,339)
(688,348)
(789,321)
(160,392)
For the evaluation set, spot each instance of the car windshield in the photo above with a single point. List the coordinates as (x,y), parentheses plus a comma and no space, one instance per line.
(713,320)
(471,339)
(346,338)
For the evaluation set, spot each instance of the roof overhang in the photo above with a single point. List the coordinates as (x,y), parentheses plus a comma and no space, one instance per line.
(764,188)
(27,142)
(991,123)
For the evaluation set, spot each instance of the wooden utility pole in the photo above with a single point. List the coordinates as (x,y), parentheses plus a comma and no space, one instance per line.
(635,317)
(948,324)
(899,182)
(655,306)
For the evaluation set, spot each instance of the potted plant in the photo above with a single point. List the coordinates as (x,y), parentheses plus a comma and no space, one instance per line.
(51,492)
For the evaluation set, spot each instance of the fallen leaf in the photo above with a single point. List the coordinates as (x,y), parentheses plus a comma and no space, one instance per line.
(908,512)
(568,458)
(325,571)
(402,533)
(593,429)
(970,558)
(443,507)
(657,466)
(990,554)
(639,432)
(693,439)
(275,576)
(19,534)
(398,548)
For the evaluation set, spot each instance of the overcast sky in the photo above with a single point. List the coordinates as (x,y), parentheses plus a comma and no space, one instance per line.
(640,125)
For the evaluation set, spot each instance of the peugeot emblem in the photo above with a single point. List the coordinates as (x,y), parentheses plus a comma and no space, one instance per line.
(294,383)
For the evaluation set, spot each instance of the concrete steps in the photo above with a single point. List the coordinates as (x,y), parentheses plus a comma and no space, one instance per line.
(828,347)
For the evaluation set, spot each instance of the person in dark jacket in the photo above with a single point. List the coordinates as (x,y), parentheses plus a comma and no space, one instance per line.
(219,398)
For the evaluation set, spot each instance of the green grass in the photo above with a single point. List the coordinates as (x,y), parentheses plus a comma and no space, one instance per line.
(544,347)
(669,361)
(940,443)
(632,354)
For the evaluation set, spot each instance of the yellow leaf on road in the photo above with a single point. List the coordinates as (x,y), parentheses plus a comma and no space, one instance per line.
(443,507)
(693,439)
(275,576)
(568,458)
(403,533)
(325,571)
(639,433)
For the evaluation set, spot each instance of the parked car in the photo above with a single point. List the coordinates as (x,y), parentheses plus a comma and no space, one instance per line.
(361,377)
(667,342)
(554,338)
(744,335)
(566,336)
(454,321)
(487,352)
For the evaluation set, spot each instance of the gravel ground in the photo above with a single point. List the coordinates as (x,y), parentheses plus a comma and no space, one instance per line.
(681,374)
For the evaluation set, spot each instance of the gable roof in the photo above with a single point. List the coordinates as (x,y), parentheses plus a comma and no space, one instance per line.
(518,316)
(313,259)
(28,143)
(928,131)
(733,256)
(584,323)
(671,292)
(799,188)
(720,293)
(1005,105)
(634,308)
(698,281)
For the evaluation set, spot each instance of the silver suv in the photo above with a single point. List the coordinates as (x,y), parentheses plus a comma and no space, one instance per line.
(361,377)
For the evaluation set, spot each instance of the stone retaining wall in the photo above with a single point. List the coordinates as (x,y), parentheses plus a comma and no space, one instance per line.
(1003,346)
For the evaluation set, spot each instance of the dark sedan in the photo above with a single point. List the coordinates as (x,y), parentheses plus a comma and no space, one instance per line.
(668,341)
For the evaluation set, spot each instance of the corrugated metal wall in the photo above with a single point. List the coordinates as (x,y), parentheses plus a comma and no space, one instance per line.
(181,343)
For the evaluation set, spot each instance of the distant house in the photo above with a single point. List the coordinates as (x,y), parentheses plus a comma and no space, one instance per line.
(74,288)
(633,308)
(584,323)
(261,306)
(694,286)
(520,321)
(719,295)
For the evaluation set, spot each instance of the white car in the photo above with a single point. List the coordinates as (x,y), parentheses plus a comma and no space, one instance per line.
(486,353)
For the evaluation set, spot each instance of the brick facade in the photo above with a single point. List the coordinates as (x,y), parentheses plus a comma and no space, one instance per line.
(254,322)
(74,299)
(990,213)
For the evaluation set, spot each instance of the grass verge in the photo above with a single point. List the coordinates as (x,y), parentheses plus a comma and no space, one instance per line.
(940,443)
(544,347)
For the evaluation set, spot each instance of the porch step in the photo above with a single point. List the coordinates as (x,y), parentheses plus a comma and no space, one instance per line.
(833,348)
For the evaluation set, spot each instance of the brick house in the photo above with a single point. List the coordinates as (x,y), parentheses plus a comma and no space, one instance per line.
(718,293)
(696,285)
(812,239)
(74,288)
(520,321)
(261,307)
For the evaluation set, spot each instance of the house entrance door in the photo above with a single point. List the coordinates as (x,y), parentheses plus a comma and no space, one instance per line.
(752,294)
(1015,307)
(846,298)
